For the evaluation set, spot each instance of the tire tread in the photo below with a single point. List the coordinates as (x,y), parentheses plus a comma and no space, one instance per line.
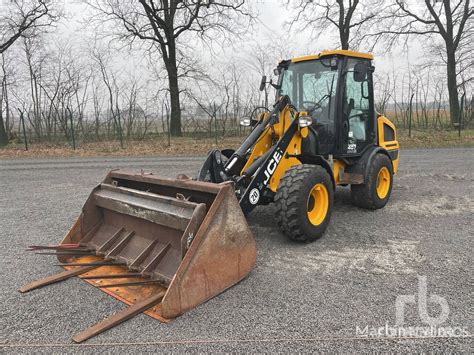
(364,195)
(287,200)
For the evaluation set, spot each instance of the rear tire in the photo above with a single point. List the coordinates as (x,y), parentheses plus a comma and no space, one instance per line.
(304,202)
(375,193)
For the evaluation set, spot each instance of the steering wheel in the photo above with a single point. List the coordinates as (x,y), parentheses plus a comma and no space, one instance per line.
(361,114)
(316,105)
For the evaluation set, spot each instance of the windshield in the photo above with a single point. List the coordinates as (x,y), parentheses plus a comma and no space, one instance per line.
(311,86)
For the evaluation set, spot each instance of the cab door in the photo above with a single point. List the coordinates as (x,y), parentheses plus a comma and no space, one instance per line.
(323,118)
(357,109)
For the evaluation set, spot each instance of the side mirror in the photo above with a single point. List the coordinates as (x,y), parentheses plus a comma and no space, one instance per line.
(263,82)
(360,72)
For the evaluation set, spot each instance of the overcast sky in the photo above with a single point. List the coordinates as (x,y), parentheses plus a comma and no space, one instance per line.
(273,14)
(270,23)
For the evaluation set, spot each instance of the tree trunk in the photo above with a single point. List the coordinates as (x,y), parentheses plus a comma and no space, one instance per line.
(3,133)
(171,67)
(175,122)
(452,87)
(4,98)
(344,37)
(344,28)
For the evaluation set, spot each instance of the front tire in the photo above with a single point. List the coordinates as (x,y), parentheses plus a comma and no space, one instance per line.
(304,202)
(375,193)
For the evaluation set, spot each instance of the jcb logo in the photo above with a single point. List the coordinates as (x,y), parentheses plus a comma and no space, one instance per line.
(272,165)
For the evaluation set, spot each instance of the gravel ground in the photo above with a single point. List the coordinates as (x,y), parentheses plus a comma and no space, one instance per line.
(298,298)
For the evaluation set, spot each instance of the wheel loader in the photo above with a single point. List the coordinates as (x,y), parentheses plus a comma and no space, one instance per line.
(164,246)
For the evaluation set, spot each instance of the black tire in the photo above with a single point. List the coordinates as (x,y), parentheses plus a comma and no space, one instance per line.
(366,195)
(292,201)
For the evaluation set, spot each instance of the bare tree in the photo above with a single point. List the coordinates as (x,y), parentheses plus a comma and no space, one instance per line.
(349,17)
(5,111)
(383,94)
(445,20)
(23,16)
(163,22)
(110,81)
(261,59)
(98,103)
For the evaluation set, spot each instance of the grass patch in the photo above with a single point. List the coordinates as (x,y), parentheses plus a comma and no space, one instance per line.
(184,146)
(188,146)
(435,139)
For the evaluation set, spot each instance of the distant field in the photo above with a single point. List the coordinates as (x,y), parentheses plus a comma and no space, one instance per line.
(435,139)
(150,147)
(199,146)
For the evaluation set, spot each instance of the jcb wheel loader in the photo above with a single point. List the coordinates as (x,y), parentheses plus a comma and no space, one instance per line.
(322,132)
(164,246)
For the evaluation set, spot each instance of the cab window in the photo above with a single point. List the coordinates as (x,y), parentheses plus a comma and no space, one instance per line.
(357,115)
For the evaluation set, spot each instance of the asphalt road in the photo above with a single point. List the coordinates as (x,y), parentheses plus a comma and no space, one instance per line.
(308,297)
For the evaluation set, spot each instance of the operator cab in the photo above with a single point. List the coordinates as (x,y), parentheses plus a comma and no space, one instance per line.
(335,88)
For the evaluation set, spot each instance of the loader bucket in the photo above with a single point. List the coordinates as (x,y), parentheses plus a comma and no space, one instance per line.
(162,246)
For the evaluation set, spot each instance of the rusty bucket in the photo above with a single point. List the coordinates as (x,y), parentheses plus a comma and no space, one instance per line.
(162,246)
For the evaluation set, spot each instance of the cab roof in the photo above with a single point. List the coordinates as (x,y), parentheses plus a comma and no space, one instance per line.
(325,53)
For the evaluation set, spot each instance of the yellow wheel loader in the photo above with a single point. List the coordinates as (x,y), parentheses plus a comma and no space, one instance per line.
(322,132)
(164,246)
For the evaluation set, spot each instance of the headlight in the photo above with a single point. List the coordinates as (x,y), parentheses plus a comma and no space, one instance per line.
(305,121)
(245,121)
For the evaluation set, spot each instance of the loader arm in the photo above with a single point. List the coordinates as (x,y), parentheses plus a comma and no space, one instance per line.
(217,169)
(263,180)
(256,167)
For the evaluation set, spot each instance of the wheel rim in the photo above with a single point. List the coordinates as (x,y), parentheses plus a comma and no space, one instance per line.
(318,204)
(383,182)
